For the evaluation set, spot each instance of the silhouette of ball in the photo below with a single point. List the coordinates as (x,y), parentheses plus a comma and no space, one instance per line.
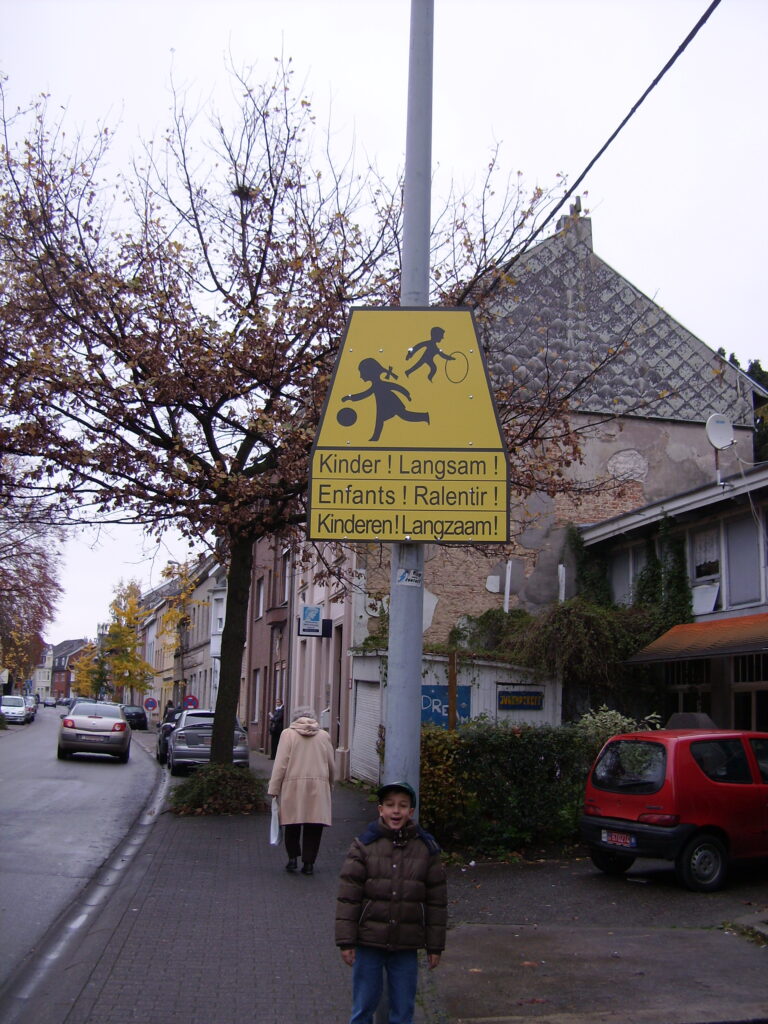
(346,416)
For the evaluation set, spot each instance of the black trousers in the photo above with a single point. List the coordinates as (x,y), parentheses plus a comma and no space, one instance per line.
(306,845)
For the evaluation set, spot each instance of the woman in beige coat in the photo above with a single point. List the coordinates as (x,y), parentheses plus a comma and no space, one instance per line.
(301,781)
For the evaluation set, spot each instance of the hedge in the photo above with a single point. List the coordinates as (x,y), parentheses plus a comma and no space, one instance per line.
(491,789)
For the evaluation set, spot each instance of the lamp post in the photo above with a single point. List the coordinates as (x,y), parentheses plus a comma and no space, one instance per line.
(406,607)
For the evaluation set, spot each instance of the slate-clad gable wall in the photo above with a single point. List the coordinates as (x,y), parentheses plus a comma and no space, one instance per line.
(567,310)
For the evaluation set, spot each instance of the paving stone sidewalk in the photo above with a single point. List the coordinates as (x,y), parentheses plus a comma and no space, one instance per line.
(207,927)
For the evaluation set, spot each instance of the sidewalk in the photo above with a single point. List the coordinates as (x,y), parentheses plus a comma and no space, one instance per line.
(196,921)
(204,926)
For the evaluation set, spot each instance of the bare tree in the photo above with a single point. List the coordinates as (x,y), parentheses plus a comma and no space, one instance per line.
(169,338)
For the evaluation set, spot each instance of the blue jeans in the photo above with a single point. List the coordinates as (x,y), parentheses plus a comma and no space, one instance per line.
(402,969)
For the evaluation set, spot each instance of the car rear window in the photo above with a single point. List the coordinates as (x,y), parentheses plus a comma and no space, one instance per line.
(205,721)
(635,766)
(132,707)
(105,710)
(722,760)
(13,702)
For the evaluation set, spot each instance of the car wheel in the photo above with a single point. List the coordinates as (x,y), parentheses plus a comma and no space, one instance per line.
(123,758)
(61,754)
(702,864)
(175,769)
(611,863)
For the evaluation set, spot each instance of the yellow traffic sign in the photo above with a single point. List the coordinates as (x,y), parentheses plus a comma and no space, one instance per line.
(409,445)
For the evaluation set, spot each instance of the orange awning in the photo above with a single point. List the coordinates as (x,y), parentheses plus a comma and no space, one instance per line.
(743,634)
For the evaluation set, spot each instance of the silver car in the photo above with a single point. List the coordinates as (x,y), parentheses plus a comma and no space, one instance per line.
(189,744)
(94,727)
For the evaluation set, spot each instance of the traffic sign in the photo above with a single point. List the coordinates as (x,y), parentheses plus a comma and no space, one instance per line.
(409,446)
(190,702)
(150,703)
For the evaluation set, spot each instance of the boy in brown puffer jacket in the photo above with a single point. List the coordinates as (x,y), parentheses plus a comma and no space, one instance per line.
(391,902)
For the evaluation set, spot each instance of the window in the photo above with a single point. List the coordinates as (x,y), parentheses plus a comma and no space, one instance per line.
(258,598)
(706,554)
(256,695)
(722,760)
(619,578)
(624,567)
(750,668)
(631,766)
(742,545)
(750,708)
(760,750)
(695,672)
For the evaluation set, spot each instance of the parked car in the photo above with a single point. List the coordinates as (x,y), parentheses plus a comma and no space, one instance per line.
(164,730)
(31,703)
(94,728)
(137,717)
(14,708)
(189,743)
(695,797)
(49,702)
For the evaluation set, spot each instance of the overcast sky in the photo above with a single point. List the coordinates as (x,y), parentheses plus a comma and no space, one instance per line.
(676,202)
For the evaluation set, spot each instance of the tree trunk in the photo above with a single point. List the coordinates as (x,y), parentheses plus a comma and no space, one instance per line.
(232,646)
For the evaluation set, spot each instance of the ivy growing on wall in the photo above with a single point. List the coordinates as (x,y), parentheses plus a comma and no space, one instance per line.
(663,585)
(586,641)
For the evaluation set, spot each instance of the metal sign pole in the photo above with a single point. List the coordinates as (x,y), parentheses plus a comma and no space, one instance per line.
(406,607)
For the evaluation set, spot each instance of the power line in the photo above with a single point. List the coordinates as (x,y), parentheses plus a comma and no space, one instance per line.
(633,110)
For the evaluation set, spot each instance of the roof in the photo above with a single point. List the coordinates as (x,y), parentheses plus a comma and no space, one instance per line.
(739,488)
(567,322)
(743,634)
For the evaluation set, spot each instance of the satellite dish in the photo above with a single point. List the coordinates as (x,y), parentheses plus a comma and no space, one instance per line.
(719,431)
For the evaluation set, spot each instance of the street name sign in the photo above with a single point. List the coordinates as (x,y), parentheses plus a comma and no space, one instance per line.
(409,446)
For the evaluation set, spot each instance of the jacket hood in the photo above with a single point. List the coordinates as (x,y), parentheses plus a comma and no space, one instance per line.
(305,726)
(411,830)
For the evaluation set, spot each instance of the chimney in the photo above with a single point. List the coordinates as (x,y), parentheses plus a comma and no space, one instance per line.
(575,228)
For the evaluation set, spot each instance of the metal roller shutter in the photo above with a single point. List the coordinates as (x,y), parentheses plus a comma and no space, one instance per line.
(364,760)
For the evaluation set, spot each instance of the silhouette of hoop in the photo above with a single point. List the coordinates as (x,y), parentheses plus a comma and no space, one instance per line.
(453,369)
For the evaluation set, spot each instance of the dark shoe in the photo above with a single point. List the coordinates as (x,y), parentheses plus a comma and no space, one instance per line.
(308,869)
(292,864)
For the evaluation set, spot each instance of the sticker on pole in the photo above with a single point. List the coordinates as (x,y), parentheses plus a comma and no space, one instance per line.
(409,446)
(409,578)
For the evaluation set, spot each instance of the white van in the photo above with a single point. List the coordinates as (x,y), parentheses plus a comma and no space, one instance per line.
(14,708)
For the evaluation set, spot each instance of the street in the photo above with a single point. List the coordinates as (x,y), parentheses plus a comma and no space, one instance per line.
(59,821)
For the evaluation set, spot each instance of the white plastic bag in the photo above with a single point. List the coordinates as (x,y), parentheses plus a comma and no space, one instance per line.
(274,828)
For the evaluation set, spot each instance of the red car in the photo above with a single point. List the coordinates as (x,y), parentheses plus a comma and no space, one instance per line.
(695,797)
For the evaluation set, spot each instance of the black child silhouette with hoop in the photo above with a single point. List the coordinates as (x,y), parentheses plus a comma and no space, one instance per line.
(383,388)
(431,351)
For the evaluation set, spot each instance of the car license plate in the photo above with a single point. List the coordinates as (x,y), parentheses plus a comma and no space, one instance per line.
(619,838)
(88,737)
